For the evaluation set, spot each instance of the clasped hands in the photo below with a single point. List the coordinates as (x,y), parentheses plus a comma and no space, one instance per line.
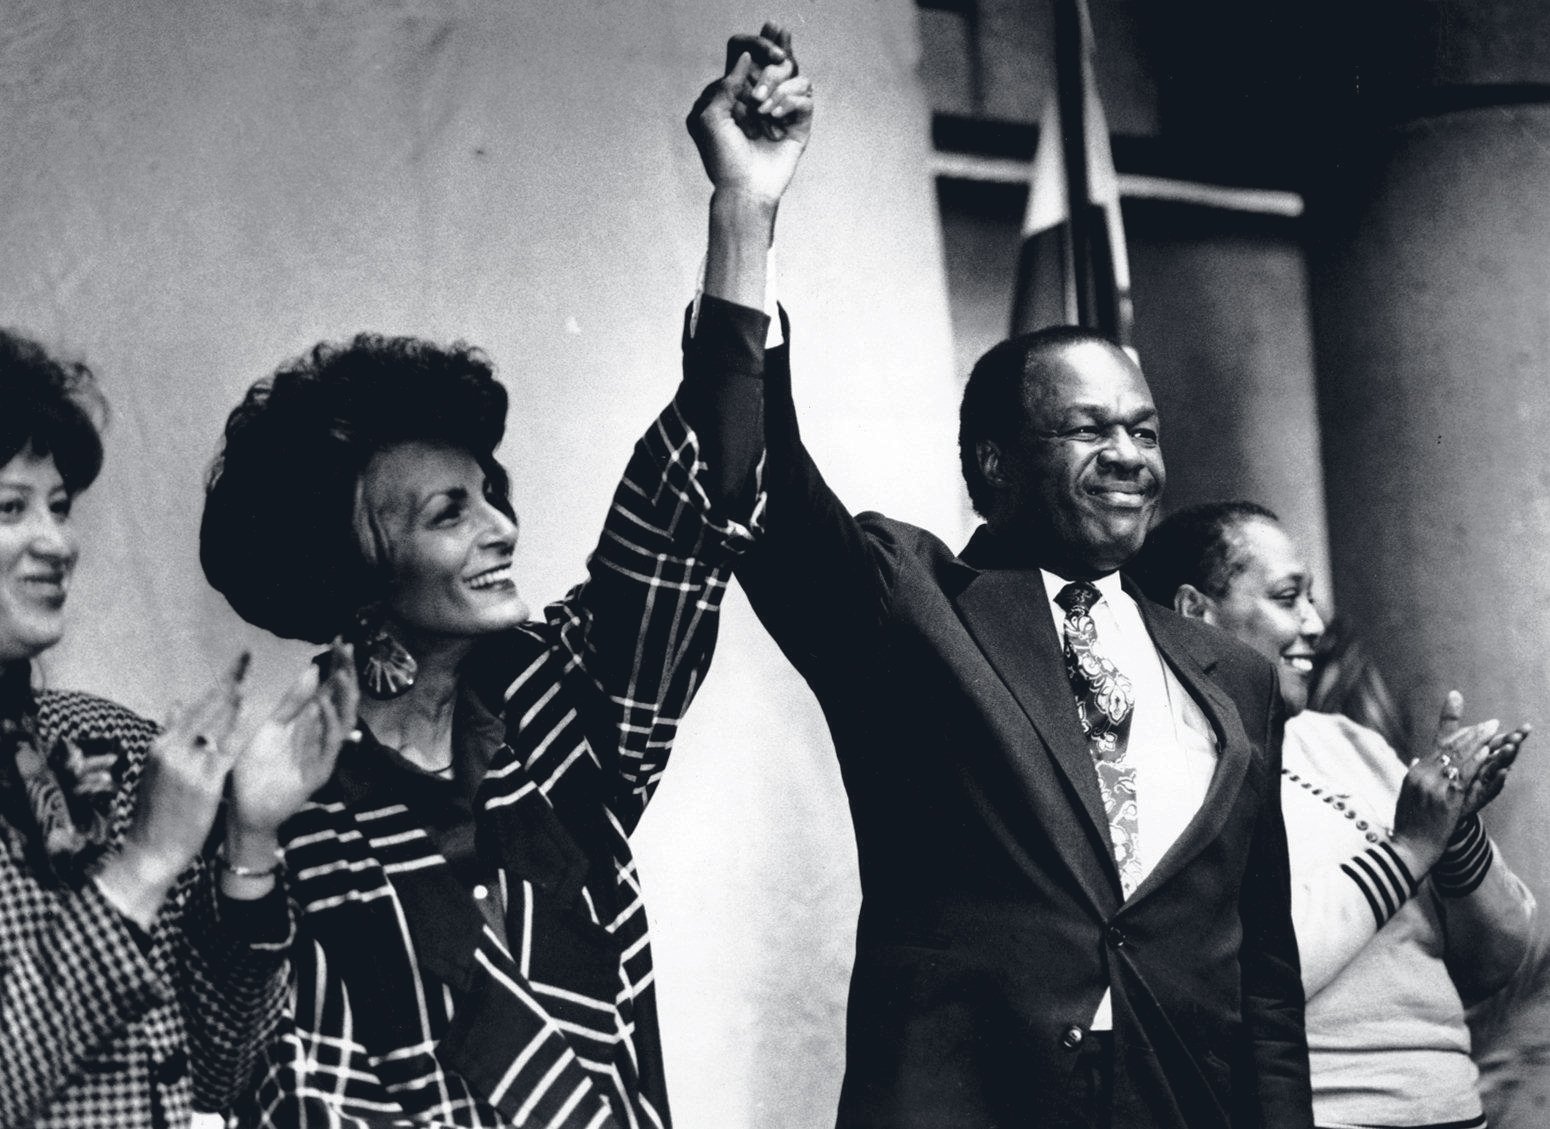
(751,125)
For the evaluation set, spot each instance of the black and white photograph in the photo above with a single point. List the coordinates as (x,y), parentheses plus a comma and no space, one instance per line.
(887,564)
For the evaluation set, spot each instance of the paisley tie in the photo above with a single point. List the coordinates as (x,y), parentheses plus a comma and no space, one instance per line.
(1104,702)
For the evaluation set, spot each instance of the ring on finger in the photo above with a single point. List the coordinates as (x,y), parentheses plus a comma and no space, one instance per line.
(1452,773)
(1445,760)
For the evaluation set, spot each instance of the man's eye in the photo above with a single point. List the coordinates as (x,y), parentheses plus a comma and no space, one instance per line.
(1146,436)
(1084,431)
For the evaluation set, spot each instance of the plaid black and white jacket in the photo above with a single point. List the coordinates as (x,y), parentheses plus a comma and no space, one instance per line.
(408,1008)
(101,1030)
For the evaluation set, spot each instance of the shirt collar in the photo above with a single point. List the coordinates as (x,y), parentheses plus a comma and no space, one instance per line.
(368,769)
(1109,585)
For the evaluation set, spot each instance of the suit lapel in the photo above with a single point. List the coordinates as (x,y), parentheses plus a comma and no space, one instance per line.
(1007,613)
(1192,665)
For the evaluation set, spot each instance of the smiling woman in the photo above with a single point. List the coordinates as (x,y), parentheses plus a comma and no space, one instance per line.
(420,500)
(51,452)
(473,945)
(1403,912)
(140,976)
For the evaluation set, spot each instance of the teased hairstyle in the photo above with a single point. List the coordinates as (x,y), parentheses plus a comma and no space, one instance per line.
(1193,546)
(993,406)
(52,408)
(279,538)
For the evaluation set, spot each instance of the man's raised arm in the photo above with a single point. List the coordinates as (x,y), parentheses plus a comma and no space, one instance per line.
(750,126)
(816,574)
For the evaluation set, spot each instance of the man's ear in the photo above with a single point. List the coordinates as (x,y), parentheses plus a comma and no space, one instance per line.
(1191,603)
(987,452)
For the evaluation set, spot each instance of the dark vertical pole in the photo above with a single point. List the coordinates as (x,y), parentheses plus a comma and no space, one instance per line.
(1070,89)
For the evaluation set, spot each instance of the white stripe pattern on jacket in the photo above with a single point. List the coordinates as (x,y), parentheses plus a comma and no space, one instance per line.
(408,1010)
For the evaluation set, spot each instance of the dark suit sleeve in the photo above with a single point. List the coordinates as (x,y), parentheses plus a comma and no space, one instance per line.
(817,579)
(1271,970)
(722,397)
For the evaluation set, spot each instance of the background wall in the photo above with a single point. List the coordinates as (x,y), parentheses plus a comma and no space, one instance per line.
(194,191)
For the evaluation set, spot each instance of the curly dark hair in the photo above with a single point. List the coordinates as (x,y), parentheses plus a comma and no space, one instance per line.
(50,407)
(1193,546)
(279,538)
(993,405)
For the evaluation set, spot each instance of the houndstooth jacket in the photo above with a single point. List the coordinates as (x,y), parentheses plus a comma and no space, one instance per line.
(409,1007)
(101,1030)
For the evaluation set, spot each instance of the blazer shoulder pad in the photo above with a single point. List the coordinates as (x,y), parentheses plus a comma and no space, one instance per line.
(900,537)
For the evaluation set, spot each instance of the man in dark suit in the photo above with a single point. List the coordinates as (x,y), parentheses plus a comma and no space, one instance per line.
(1076,908)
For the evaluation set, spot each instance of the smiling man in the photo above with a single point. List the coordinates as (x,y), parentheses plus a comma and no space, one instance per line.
(1076,909)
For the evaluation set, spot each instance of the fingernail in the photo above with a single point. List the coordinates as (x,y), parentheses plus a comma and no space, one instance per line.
(778,112)
(761,91)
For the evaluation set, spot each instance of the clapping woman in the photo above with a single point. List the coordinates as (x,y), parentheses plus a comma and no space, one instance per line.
(1405,912)
(138,977)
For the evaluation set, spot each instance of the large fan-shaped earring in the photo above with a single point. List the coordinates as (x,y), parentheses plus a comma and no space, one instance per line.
(386,667)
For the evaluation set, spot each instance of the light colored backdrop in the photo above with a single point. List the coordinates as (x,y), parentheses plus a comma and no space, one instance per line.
(194,191)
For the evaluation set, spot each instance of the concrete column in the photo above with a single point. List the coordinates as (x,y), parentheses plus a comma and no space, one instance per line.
(1432,321)
(1222,330)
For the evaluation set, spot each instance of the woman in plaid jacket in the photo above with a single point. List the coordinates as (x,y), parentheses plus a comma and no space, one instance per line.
(473,947)
(136,981)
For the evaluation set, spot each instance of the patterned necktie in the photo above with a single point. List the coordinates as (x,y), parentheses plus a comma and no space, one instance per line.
(1104,703)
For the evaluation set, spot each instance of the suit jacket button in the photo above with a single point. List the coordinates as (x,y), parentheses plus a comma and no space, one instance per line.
(1072,1037)
(1116,936)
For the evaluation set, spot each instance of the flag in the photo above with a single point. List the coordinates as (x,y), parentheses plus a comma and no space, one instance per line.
(1072,268)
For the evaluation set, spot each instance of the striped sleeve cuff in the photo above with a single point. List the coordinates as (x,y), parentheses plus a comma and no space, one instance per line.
(1383,878)
(1464,864)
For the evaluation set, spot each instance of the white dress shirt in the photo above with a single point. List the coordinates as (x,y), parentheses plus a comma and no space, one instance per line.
(1171,743)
